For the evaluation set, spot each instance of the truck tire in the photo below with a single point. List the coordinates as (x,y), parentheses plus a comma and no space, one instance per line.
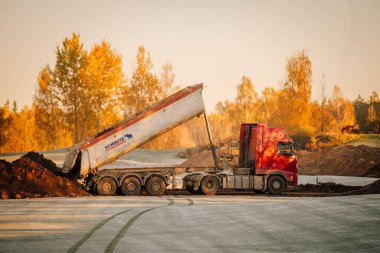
(209,185)
(155,186)
(130,186)
(106,186)
(276,185)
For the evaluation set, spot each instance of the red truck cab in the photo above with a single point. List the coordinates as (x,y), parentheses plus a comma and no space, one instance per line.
(266,163)
(268,151)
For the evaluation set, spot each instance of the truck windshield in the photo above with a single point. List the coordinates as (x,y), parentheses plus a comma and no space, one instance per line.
(285,148)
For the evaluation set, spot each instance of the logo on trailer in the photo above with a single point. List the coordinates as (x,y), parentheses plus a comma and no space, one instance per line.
(129,136)
(118,142)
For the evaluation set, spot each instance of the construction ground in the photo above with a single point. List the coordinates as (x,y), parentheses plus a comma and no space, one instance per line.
(333,212)
(191,223)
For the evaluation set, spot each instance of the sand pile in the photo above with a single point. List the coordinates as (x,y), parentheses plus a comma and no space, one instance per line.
(33,176)
(360,161)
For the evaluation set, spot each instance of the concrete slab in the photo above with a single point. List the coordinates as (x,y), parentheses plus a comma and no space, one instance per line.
(192,223)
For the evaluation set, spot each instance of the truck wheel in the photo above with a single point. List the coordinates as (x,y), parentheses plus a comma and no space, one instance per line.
(210,185)
(106,186)
(131,186)
(276,185)
(155,186)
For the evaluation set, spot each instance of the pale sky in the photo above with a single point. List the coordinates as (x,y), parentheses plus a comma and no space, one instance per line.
(214,42)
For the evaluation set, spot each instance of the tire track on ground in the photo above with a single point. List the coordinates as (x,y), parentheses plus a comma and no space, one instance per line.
(79,243)
(191,202)
(111,246)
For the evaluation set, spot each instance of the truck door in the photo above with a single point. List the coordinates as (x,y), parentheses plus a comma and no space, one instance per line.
(268,150)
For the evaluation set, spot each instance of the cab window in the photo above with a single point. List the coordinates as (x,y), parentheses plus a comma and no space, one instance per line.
(284,148)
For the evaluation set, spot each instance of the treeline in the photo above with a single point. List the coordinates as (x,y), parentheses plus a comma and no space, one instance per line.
(87,91)
(310,123)
(368,113)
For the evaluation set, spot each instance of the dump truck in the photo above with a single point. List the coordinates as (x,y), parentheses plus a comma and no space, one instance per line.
(85,160)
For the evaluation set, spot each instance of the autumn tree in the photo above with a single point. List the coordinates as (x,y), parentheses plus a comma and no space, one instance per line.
(103,78)
(373,121)
(179,136)
(323,102)
(143,89)
(71,58)
(14,107)
(342,109)
(268,106)
(361,111)
(246,98)
(6,119)
(299,77)
(166,81)
(22,136)
(17,129)
(45,103)
(223,120)
(297,91)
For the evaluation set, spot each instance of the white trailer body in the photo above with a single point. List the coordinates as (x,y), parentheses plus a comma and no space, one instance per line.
(135,131)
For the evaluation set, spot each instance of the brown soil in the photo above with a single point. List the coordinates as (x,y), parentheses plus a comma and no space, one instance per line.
(48,164)
(201,159)
(33,176)
(360,161)
(332,189)
(327,188)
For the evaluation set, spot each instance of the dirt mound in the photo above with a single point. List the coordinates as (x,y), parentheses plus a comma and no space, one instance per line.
(373,188)
(28,177)
(202,159)
(360,161)
(205,159)
(333,189)
(48,164)
(327,188)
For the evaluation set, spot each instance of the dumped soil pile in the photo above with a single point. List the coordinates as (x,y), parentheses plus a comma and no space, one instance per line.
(46,163)
(373,188)
(327,188)
(360,161)
(333,189)
(28,177)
